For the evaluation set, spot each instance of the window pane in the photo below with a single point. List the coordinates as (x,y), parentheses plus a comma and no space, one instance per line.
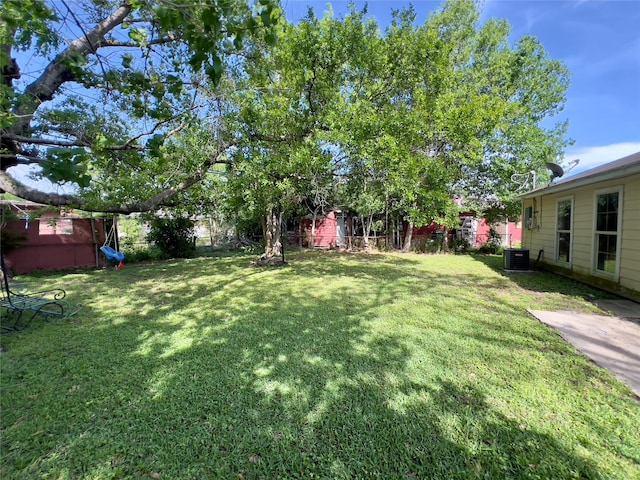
(606,262)
(607,212)
(564,215)
(602,243)
(607,221)
(564,242)
(602,203)
(612,221)
(55,226)
(607,254)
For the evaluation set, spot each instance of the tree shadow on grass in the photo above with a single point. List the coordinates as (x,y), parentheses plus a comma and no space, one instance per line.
(544,281)
(283,379)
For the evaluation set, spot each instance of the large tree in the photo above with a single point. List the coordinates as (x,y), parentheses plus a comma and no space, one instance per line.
(410,118)
(473,110)
(401,121)
(93,92)
(283,120)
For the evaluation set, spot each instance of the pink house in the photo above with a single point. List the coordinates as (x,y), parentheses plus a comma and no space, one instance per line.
(327,231)
(474,230)
(54,241)
(330,231)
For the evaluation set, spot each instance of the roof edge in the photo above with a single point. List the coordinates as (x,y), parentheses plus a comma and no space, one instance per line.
(621,167)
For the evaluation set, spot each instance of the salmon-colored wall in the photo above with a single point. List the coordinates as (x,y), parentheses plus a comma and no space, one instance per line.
(326,235)
(509,233)
(430,229)
(482,231)
(45,249)
(326,230)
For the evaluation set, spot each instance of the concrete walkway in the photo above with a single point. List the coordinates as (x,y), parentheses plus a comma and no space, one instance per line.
(611,342)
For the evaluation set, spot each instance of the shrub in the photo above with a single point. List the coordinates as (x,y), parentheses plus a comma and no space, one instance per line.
(494,243)
(141,254)
(131,233)
(175,237)
(461,245)
(11,239)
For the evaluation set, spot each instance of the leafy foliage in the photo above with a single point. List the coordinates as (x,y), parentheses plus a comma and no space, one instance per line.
(128,60)
(173,236)
(493,245)
(204,111)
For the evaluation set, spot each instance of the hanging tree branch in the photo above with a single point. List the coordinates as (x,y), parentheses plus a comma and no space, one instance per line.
(10,185)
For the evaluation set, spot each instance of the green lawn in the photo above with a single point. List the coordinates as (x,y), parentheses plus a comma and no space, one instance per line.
(333,366)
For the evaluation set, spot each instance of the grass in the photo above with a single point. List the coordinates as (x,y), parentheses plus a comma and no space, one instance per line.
(333,366)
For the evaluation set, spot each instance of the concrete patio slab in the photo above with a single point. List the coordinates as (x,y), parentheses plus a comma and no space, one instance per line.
(620,308)
(611,342)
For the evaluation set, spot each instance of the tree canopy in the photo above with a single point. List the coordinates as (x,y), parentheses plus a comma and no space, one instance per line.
(95,92)
(336,111)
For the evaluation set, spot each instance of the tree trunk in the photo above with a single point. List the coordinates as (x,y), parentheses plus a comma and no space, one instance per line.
(313,228)
(407,238)
(365,233)
(300,235)
(349,229)
(445,241)
(366,229)
(271,230)
(211,227)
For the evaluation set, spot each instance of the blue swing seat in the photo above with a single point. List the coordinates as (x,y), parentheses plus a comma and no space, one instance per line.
(111,254)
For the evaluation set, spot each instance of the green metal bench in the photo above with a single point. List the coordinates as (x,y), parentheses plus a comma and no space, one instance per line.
(16,303)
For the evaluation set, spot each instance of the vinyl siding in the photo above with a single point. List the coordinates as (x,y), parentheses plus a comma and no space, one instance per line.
(582,231)
(582,234)
(630,260)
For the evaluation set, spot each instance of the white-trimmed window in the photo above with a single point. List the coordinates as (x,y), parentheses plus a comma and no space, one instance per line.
(56,226)
(607,231)
(564,225)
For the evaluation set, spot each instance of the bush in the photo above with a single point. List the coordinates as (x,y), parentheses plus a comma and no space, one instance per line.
(175,237)
(11,239)
(461,245)
(142,254)
(493,245)
(490,249)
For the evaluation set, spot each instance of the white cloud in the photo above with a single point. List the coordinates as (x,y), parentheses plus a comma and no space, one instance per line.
(591,157)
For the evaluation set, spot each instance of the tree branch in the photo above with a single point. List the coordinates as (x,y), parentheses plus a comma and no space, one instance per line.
(10,185)
(44,141)
(58,72)
(17,159)
(110,42)
(127,145)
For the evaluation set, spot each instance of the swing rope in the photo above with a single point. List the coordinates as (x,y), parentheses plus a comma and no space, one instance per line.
(109,252)
(23,215)
(110,234)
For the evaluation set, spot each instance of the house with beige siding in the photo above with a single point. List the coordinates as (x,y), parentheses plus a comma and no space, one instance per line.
(587,226)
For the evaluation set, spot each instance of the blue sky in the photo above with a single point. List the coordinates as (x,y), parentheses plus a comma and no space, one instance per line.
(599,41)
